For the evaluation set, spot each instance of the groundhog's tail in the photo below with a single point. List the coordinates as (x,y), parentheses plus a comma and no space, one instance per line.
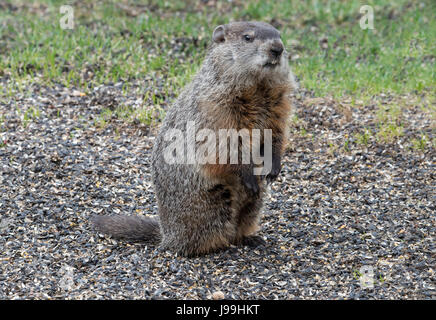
(129,227)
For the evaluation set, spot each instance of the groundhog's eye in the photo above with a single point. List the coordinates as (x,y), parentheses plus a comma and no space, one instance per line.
(248,38)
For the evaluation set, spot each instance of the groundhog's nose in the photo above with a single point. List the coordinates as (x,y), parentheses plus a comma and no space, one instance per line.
(276,50)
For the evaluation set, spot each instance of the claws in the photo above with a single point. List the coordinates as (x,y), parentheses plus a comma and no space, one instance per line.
(275,171)
(253,241)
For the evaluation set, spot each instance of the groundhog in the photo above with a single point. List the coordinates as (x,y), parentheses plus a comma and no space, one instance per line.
(244,83)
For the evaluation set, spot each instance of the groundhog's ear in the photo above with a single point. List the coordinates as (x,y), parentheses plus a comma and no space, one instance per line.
(218,34)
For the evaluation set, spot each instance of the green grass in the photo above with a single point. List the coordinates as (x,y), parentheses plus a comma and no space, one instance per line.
(114,43)
(165,41)
(363,138)
(420,143)
(30,114)
(145,115)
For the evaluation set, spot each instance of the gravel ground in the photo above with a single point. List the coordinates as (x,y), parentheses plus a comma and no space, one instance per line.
(331,211)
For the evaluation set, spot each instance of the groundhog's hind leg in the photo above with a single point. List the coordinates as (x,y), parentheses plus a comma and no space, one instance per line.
(209,236)
(205,222)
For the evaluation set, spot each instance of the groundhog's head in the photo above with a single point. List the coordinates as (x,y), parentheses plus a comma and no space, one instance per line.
(250,49)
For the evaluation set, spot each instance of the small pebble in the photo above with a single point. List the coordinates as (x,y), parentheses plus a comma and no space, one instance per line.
(218,295)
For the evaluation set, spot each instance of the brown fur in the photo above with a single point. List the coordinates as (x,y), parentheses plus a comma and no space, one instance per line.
(257,108)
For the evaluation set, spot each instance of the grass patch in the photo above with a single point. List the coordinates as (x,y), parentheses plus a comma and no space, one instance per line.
(29,115)
(389,132)
(420,144)
(166,41)
(145,116)
(113,41)
(363,138)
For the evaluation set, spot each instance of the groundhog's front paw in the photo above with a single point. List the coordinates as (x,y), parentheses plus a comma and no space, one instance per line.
(275,171)
(251,183)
